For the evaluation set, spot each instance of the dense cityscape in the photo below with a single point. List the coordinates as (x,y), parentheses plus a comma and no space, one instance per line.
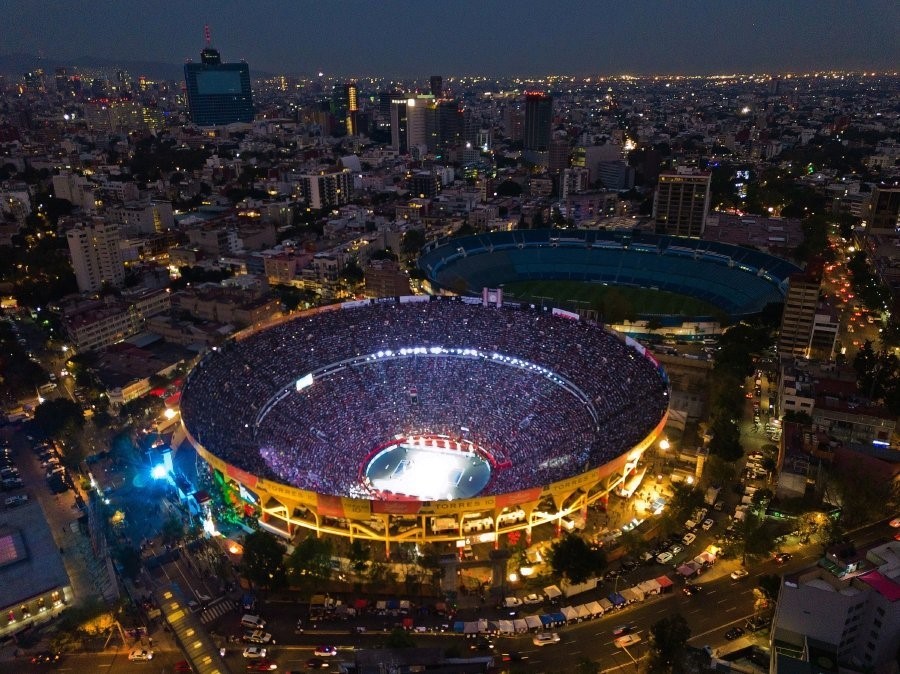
(448,373)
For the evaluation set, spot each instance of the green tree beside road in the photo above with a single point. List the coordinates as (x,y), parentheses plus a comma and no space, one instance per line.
(572,558)
(668,645)
(263,561)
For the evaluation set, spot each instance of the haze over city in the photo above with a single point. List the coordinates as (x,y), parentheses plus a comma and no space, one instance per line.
(404,39)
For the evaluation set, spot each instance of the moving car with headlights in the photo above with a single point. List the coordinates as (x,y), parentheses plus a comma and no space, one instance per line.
(627,640)
(140,655)
(545,639)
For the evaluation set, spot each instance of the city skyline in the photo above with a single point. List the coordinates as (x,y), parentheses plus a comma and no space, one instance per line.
(407,39)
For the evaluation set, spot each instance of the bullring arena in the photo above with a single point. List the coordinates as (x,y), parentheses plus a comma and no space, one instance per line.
(421,418)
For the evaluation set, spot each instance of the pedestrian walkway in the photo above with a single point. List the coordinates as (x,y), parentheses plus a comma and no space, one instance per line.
(216,609)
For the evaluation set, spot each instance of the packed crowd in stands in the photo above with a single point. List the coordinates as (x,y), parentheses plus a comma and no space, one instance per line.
(317,438)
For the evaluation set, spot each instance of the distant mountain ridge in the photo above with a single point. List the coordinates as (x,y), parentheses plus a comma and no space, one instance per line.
(15,65)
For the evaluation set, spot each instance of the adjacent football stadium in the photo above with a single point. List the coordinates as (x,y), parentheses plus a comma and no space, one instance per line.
(423,418)
(665,276)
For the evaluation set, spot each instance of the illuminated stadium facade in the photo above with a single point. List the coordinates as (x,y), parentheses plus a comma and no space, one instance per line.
(738,281)
(419,419)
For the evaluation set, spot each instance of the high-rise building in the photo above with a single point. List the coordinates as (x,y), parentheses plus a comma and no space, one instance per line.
(444,124)
(538,120)
(436,85)
(384,108)
(799,312)
(681,203)
(218,93)
(417,114)
(96,257)
(513,125)
(352,109)
(399,123)
(327,190)
(559,153)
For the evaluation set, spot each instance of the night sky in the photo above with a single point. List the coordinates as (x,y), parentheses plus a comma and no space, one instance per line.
(456,37)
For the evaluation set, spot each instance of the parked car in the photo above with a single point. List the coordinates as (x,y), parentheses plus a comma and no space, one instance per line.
(664,557)
(734,633)
(689,538)
(258,637)
(757,623)
(707,524)
(532,598)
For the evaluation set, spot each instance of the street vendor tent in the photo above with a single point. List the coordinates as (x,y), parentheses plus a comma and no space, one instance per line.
(665,584)
(617,599)
(637,592)
(606,605)
(570,613)
(687,570)
(595,608)
(533,622)
(552,592)
(649,587)
(520,625)
(557,619)
(583,612)
(705,558)
(505,627)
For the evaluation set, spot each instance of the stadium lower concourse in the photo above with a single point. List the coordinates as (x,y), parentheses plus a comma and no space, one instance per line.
(421,418)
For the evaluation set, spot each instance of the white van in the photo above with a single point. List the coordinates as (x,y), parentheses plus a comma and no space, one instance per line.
(253,621)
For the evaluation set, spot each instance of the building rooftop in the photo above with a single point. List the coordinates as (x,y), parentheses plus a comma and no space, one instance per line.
(30,562)
(887,588)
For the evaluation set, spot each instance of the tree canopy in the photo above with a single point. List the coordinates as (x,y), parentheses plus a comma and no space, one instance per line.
(412,242)
(574,559)
(310,562)
(263,562)
(58,417)
(668,645)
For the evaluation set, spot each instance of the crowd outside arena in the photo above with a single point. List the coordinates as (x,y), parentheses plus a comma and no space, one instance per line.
(316,438)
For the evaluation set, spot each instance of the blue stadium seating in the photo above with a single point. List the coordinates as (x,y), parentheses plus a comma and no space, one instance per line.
(738,280)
